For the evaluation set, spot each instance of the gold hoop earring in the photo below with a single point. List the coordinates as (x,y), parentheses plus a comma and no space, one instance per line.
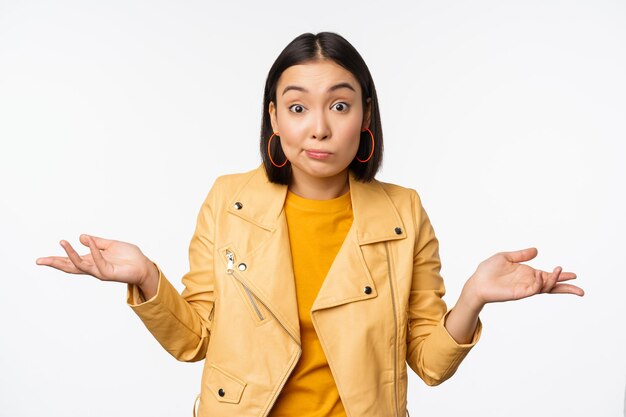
(372,151)
(269,153)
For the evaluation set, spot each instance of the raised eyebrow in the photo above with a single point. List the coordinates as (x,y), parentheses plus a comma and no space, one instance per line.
(331,89)
(341,85)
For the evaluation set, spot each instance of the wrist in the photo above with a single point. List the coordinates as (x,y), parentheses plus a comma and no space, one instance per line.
(148,286)
(470,296)
(150,275)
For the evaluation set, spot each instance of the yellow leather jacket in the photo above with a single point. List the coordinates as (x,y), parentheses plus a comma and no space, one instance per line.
(379,308)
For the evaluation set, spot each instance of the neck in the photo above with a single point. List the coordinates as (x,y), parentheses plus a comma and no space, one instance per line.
(320,188)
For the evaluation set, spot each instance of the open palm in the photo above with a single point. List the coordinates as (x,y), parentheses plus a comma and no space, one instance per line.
(108,260)
(502,278)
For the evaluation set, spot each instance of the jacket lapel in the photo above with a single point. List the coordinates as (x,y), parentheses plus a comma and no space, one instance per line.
(269,272)
(375,220)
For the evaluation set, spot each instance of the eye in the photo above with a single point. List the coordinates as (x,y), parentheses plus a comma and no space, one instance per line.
(298,108)
(342,107)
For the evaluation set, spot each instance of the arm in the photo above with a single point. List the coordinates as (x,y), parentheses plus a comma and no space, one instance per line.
(182,322)
(463,319)
(432,352)
(436,350)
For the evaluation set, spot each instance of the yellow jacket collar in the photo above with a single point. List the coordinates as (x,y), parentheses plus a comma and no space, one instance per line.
(375,217)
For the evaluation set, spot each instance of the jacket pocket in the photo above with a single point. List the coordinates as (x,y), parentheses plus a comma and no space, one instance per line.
(225,387)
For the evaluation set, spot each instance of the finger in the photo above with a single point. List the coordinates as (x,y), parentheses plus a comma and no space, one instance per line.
(537,284)
(44,260)
(551,279)
(98,259)
(76,259)
(59,262)
(521,255)
(567,289)
(566,276)
(101,243)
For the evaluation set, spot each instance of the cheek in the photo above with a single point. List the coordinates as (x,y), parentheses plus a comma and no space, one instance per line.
(350,130)
(289,126)
(290,133)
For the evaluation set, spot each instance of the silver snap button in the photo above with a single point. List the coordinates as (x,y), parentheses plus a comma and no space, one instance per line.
(238,205)
(242,266)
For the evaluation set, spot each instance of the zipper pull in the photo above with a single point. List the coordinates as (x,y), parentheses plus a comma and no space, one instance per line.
(231,262)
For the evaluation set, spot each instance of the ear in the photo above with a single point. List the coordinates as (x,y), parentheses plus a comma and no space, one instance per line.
(367,114)
(272,111)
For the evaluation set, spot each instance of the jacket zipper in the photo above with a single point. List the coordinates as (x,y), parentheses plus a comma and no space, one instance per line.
(395,330)
(230,256)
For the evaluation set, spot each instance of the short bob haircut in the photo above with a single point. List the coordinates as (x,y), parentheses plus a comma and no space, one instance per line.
(310,47)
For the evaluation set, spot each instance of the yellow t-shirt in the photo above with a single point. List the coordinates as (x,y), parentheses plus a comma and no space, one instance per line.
(317,229)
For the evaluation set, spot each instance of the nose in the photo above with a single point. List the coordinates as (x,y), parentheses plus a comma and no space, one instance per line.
(321,128)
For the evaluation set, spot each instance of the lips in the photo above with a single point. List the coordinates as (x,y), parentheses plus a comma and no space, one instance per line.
(318,153)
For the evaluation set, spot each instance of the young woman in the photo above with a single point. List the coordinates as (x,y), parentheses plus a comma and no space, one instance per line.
(312,284)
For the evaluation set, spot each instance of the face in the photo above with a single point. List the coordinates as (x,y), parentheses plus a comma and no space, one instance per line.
(319,117)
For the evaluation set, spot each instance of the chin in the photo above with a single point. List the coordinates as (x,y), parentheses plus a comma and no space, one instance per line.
(323,171)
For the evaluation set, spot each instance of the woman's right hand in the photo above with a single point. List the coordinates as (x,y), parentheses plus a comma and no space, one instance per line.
(108,260)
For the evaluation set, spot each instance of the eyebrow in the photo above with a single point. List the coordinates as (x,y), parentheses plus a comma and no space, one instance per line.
(331,89)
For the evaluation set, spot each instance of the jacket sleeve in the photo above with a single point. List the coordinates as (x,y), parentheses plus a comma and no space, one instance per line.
(182,322)
(431,351)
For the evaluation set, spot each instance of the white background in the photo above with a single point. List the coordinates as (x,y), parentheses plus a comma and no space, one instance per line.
(507,117)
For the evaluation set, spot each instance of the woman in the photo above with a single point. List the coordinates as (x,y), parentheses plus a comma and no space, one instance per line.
(312,284)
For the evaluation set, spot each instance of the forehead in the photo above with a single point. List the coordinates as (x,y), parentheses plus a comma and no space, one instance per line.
(316,77)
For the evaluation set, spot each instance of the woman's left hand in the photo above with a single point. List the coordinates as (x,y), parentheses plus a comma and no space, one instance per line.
(502,278)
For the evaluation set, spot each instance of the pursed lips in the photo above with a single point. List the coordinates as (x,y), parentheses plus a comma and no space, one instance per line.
(317,153)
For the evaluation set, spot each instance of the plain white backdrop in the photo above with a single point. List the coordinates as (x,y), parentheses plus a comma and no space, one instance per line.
(508,117)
